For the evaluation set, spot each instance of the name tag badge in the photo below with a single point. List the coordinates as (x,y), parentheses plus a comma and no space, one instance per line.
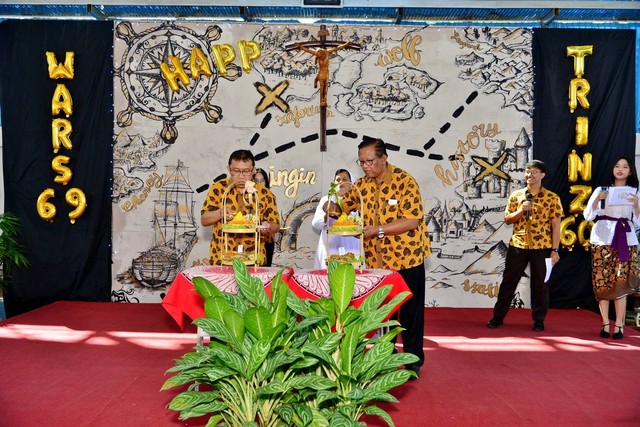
(393,202)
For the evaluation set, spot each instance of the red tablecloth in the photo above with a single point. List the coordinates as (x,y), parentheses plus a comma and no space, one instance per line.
(182,299)
(314,284)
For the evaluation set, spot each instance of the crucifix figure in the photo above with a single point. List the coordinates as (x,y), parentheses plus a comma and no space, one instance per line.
(324,48)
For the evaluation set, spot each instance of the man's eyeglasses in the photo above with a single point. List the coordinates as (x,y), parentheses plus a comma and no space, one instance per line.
(533,172)
(368,162)
(238,172)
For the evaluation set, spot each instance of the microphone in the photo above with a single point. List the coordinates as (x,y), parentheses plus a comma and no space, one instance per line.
(602,200)
(527,214)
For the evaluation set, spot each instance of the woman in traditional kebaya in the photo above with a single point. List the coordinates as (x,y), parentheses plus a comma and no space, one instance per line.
(614,256)
(338,244)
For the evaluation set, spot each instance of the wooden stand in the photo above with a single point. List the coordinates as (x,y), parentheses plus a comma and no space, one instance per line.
(252,230)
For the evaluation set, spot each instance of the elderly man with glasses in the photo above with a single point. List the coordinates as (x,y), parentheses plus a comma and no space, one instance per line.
(395,234)
(239,199)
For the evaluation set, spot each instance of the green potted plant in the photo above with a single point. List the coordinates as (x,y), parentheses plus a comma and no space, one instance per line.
(12,252)
(285,361)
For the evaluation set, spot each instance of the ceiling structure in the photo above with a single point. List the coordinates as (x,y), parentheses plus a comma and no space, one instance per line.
(569,13)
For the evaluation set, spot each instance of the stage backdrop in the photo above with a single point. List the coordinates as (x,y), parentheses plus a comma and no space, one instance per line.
(67,261)
(606,118)
(455,106)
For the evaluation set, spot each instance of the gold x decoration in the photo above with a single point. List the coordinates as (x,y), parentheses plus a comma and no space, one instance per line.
(272,96)
(491,169)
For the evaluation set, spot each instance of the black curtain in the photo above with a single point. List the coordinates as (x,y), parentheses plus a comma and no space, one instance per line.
(610,71)
(66,261)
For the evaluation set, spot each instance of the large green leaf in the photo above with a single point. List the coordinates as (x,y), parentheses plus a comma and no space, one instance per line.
(325,395)
(190,399)
(351,314)
(370,370)
(215,307)
(342,281)
(274,387)
(314,382)
(378,350)
(310,321)
(258,322)
(303,413)
(341,420)
(259,353)
(375,298)
(235,323)
(298,305)
(305,362)
(249,286)
(374,410)
(205,288)
(231,360)
(317,352)
(390,380)
(217,373)
(218,330)
(348,346)
(378,396)
(279,291)
(329,342)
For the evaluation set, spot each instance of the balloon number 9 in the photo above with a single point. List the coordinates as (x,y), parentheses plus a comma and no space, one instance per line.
(75,197)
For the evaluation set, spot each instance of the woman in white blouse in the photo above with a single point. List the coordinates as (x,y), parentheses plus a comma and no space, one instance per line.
(614,256)
(338,244)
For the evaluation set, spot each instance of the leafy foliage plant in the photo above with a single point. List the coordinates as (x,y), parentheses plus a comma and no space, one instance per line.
(280,360)
(12,252)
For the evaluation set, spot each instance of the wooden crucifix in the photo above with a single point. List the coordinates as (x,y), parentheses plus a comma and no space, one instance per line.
(323,49)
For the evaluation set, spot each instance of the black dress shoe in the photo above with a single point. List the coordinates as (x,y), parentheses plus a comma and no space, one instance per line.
(415,369)
(538,326)
(494,323)
(603,333)
(618,335)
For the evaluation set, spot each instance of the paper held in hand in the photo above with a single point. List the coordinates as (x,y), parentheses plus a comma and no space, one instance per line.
(619,196)
(549,265)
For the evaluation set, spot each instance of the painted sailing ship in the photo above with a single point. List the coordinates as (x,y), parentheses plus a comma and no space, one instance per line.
(174,231)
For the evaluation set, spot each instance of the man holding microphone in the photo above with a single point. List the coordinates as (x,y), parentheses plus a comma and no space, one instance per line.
(535,213)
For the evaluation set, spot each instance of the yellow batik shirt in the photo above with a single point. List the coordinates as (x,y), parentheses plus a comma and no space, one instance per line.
(534,233)
(398,196)
(237,202)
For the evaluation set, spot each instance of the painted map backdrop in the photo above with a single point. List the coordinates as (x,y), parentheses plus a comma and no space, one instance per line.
(454,106)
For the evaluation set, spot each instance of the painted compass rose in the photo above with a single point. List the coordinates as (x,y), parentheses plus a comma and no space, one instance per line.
(146,89)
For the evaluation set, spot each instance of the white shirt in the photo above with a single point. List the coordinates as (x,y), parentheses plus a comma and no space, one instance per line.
(348,243)
(603,230)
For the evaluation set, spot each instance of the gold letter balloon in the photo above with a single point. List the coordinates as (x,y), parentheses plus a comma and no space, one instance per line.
(46,210)
(75,197)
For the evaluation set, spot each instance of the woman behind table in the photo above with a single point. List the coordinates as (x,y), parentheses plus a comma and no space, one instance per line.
(614,256)
(337,244)
(261,177)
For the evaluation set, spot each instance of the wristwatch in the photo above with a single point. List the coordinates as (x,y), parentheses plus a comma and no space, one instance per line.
(554,250)
(380,232)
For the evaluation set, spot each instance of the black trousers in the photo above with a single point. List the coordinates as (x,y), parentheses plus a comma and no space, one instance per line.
(411,313)
(269,248)
(517,260)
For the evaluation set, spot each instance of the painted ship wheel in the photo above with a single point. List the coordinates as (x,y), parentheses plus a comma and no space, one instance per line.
(147,91)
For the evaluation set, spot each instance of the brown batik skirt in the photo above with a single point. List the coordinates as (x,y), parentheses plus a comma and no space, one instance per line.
(613,279)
